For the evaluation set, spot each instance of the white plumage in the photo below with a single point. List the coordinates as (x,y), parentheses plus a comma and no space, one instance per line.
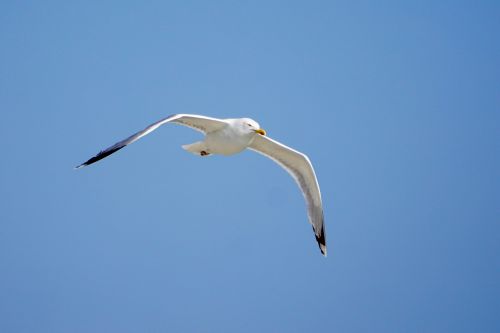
(231,136)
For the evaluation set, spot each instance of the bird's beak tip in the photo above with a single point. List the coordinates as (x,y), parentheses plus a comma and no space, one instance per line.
(261,131)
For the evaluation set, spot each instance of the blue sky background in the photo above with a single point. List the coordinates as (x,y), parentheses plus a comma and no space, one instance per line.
(396,103)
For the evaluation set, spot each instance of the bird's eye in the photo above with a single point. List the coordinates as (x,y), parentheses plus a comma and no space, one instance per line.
(249,125)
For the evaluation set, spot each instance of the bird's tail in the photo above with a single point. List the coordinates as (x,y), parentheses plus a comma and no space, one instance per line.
(197,148)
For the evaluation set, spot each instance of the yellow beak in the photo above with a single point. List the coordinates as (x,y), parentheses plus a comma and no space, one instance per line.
(261,131)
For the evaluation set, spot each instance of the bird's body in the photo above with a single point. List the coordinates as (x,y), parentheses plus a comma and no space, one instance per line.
(231,136)
(230,139)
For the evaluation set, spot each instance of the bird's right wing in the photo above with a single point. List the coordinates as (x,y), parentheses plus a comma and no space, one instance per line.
(301,169)
(196,122)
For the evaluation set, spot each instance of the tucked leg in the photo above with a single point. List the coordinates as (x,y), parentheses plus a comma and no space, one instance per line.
(197,148)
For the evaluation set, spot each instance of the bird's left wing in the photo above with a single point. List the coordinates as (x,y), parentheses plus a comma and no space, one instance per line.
(196,122)
(301,169)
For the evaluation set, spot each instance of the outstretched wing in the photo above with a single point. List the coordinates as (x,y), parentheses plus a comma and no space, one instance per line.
(199,123)
(301,169)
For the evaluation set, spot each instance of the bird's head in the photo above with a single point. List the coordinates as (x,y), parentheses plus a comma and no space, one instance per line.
(251,125)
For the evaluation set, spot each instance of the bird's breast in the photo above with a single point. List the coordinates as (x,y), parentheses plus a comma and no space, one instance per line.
(227,142)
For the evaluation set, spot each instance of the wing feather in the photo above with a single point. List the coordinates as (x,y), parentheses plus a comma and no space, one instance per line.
(300,168)
(196,122)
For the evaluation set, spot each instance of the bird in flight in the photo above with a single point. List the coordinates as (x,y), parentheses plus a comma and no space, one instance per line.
(231,136)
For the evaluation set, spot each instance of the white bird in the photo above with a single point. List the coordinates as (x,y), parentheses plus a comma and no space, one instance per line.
(231,136)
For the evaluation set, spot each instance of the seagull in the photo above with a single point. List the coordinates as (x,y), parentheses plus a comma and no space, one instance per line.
(231,136)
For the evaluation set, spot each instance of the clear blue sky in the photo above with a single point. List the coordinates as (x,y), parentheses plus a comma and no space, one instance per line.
(396,103)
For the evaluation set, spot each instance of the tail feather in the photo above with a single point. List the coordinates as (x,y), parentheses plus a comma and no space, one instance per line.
(197,148)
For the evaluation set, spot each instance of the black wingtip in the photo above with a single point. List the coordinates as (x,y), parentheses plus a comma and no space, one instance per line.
(100,156)
(321,240)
